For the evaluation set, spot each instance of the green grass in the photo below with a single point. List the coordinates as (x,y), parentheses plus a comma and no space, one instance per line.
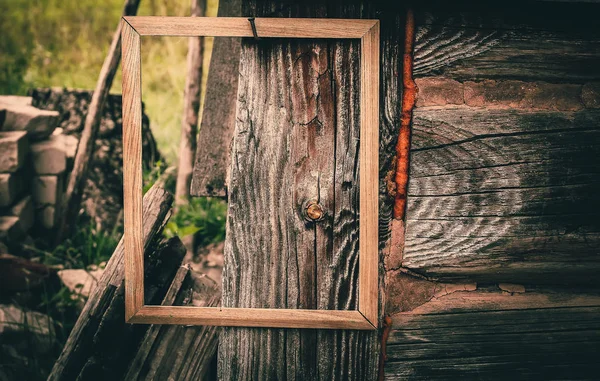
(64,42)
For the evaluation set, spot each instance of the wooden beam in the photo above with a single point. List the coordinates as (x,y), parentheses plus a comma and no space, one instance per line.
(191,109)
(504,196)
(496,335)
(239,27)
(218,115)
(308,86)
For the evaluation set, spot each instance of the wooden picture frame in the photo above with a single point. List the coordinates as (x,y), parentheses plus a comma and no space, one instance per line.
(366,316)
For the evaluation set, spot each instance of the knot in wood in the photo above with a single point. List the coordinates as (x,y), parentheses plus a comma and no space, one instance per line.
(314,211)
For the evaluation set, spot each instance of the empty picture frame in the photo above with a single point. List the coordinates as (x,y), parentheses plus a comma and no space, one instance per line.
(366,316)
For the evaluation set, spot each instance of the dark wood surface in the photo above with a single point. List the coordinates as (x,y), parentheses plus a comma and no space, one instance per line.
(101,343)
(504,167)
(501,188)
(218,117)
(296,140)
(492,335)
(499,195)
(526,40)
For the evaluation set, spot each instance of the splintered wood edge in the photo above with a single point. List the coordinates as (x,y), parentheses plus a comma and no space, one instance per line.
(366,318)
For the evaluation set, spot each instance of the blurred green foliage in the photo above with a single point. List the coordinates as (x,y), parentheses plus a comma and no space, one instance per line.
(63,43)
(204,217)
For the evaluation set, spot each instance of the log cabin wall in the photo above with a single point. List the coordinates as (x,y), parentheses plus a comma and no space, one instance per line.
(493,272)
(504,170)
(502,231)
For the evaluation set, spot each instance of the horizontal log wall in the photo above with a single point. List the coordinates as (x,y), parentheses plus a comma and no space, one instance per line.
(503,182)
(506,136)
(493,335)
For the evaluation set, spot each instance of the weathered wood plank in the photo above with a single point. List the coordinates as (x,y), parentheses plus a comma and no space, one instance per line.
(504,194)
(284,156)
(526,40)
(109,292)
(218,115)
(492,335)
(176,352)
(295,141)
(191,108)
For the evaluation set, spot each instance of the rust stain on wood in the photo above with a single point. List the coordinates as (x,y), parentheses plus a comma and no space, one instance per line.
(409,94)
(387,327)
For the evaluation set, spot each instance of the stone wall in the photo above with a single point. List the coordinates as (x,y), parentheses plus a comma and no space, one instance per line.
(33,163)
(39,135)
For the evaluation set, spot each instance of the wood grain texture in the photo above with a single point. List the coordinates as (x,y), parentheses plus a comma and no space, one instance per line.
(491,335)
(240,27)
(530,41)
(191,109)
(252,317)
(296,140)
(368,303)
(132,170)
(504,195)
(177,352)
(218,116)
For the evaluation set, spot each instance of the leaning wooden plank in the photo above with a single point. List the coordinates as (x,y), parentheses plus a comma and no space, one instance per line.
(218,115)
(110,358)
(80,345)
(495,335)
(176,352)
(72,199)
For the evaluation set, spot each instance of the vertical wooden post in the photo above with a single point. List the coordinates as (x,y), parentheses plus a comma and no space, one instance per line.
(296,145)
(191,107)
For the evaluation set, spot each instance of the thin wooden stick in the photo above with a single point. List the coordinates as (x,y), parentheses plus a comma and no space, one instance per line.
(240,27)
(368,291)
(71,200)
(252,317)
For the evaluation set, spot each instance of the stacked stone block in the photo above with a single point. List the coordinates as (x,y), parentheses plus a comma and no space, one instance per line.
(33,164)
